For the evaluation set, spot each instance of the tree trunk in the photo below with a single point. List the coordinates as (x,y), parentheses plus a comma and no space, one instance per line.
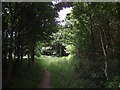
(9,73)
(33,53)
(29,58)
(21,54)
(105,55)
(11,45)
(92,39)
(17,52)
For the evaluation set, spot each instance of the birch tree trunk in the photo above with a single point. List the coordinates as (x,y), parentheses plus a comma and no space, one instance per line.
(105,55)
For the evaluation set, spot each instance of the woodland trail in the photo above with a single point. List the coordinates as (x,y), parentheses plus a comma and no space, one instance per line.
(46,82)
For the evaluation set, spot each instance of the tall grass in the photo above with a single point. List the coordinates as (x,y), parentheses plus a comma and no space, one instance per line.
(62,70)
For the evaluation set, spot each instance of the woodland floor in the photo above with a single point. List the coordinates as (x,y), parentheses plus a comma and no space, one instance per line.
(46,82)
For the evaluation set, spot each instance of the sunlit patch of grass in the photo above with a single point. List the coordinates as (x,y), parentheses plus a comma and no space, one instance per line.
(63,75)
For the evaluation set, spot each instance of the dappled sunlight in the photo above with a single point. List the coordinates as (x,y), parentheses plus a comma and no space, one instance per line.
(56,60)
(57,63)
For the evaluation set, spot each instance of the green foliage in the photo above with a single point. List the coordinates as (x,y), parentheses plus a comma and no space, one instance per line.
(24,25)
(92,31)
(114,83)
(63,74)
(91,36)
(70,49)
(38,49)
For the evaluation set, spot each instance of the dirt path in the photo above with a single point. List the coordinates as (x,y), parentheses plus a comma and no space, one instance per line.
(46,80)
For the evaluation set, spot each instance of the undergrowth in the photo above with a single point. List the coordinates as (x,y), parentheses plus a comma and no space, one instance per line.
(28,76)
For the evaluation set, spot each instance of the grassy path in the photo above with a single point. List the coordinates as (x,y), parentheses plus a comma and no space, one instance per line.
(49,72)
(62,72)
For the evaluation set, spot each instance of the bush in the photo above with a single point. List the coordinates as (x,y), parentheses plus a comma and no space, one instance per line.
(114,83)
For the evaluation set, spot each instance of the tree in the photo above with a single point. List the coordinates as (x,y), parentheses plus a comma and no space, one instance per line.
(94,27)
(24,25)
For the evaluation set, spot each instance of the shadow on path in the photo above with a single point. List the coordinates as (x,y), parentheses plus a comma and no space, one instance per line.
(46,82)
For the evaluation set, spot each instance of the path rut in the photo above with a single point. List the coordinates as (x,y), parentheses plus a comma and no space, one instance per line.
(46,82)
